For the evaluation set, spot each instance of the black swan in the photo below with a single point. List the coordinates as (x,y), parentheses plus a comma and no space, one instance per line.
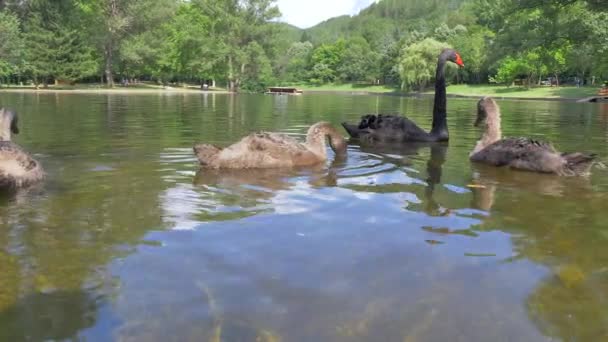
(392,128)
(269,150)
(17,167)
(522,153)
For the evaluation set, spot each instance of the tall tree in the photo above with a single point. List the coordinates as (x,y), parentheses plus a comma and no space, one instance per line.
(418,62)
(115,18)
(54,46)
(11,44)
(240,23)
(359,62)
(325,61)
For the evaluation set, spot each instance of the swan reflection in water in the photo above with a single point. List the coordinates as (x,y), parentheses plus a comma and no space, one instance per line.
(487,180)
(377,169)
(400,156)
(238,193)
(561,235)
(268,180)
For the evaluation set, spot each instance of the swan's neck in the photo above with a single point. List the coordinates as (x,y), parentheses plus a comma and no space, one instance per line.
(440,125)
(317,144)
(316,139)
(493,131)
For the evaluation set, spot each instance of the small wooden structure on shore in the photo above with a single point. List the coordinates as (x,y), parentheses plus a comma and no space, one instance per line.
(284,91)
(602,95)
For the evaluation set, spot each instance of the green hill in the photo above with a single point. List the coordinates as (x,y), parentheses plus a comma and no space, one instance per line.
(390,20)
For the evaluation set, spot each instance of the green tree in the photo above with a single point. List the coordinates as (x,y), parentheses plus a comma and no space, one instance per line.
(556,60)
(296,61)
(325,61)
(322,73)
(418,62)
(114,19)
(240,23)
(512,68)
(11,44)
(190,49)
(473,45)
(359,62)
(257,72)
(54,48)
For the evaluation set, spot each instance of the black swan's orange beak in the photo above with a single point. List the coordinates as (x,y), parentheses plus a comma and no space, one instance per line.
(459,61)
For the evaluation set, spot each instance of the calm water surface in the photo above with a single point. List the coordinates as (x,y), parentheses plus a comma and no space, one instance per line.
(127,241)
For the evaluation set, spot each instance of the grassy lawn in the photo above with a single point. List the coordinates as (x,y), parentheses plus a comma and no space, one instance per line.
(567,92)
(541,92)
(142,87)
(347,87)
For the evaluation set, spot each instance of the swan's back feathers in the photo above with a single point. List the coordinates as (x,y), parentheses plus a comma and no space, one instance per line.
(505,151)
(17,167)
(271,142)
(386,128)
(533,155)
(259,150)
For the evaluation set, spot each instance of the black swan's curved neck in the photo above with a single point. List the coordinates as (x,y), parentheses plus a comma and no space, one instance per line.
(440,124)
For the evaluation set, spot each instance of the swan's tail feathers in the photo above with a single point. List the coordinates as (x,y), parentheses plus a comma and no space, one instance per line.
(352,130)
(579,163)
(206,154)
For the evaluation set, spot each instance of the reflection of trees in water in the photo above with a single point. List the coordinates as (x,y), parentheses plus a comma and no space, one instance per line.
(558,222)
(572,304)
(56,243)
(394,158)
(60,315)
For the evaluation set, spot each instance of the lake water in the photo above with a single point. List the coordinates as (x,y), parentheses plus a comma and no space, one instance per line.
(127,241)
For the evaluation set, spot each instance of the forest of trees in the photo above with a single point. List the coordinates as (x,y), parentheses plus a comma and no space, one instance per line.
(241,45)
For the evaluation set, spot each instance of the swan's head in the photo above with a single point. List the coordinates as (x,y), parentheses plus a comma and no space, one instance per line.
(318,132)
(485,106)
(8,124)
(453,56)
(338,144)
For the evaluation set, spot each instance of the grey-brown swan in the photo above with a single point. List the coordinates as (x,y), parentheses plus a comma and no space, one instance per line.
(522,153)
(273,150)
(17,168)
(392,128)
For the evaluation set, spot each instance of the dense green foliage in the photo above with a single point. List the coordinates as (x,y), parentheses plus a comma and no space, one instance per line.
(500,41)
(240,44)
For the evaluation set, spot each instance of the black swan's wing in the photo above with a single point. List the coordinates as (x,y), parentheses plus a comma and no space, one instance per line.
(386,128)
(510,150)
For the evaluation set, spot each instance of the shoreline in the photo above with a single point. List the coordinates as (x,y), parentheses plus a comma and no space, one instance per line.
(453,95)
(176,91)
(125,91)
(464,96)
(566,93)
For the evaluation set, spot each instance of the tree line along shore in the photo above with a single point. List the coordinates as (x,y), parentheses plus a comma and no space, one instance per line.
(510,47)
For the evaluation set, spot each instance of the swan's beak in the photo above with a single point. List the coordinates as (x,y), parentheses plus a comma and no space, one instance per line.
(459,61)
